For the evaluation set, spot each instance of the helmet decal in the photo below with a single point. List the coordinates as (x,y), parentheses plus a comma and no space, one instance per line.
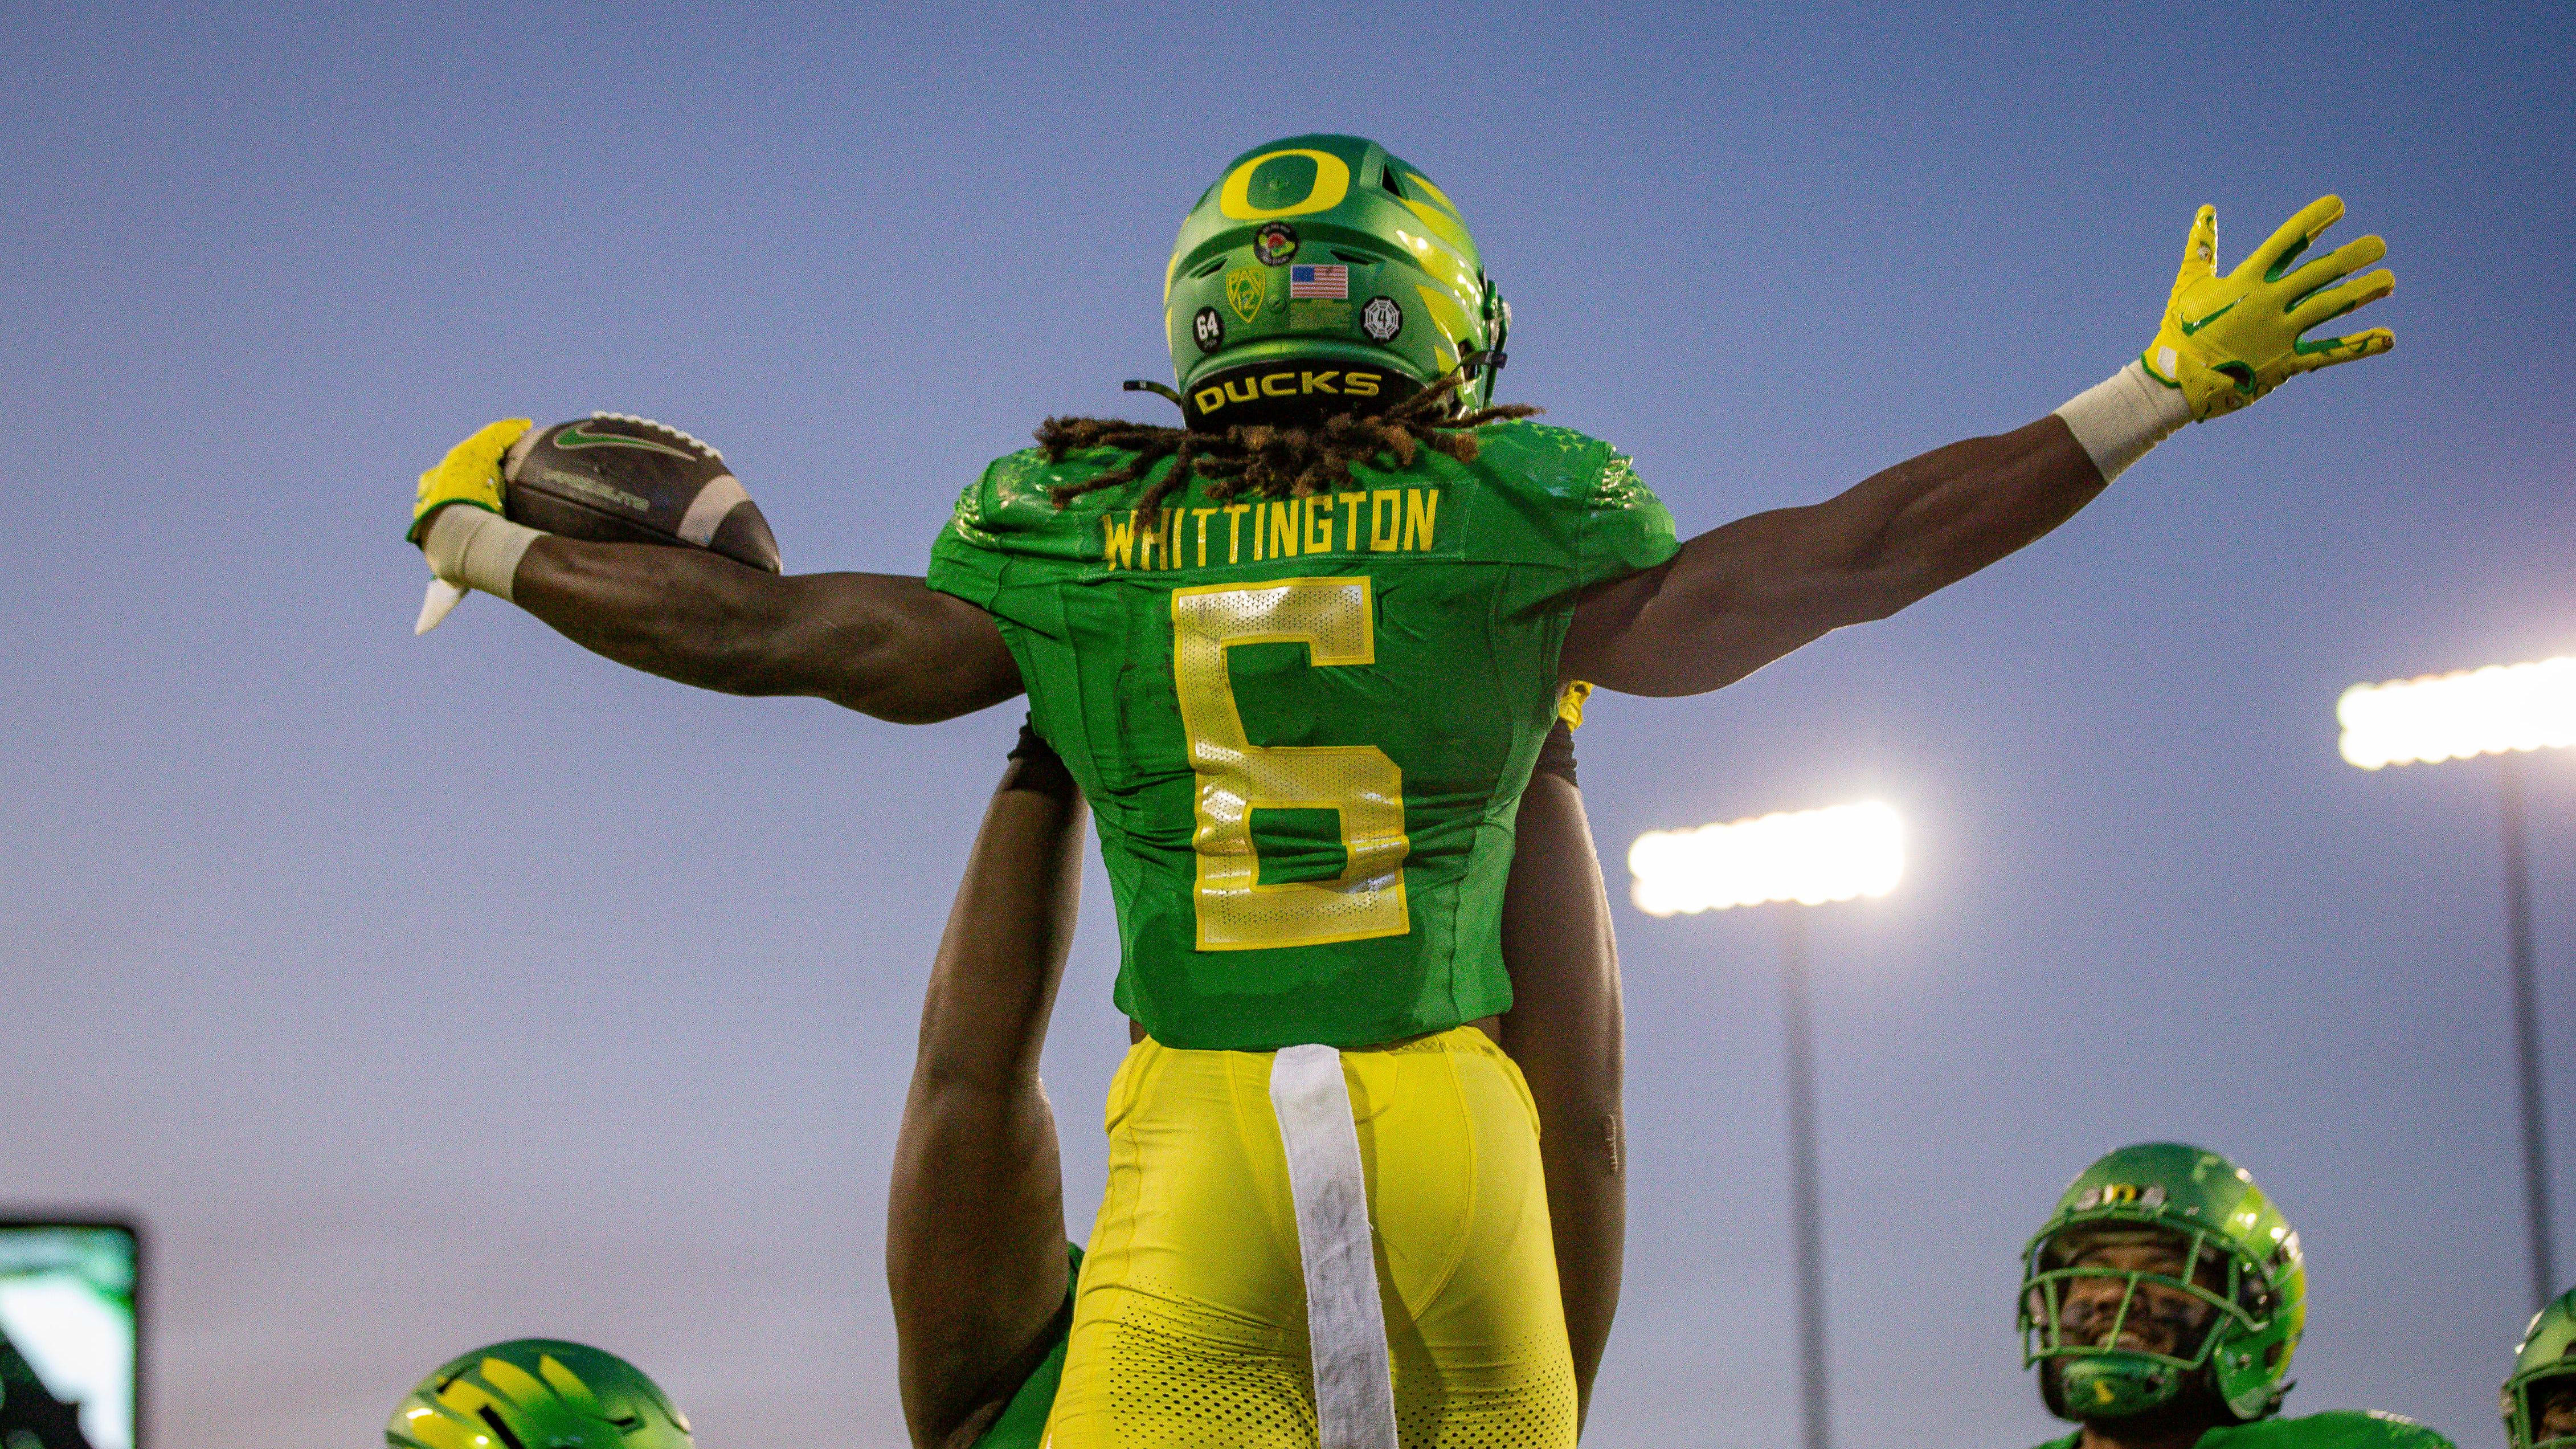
(1246,288)
(1290,181)
(1274,244)
(1324,254)
(537,1394)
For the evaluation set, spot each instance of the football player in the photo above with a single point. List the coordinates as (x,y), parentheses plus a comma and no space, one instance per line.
(537,1393)
(983,1283)
(2161,1303)
(2540,1397)
(1299,654)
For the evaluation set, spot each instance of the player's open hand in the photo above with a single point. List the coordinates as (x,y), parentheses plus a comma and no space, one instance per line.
(470,473)
(2227,340)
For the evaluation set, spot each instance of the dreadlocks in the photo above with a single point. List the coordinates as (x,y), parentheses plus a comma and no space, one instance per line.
(1266,461)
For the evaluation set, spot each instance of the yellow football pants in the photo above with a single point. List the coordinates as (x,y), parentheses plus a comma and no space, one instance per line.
(1189,1323)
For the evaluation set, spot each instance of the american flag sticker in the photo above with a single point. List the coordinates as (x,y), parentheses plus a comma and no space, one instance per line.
(1332,283)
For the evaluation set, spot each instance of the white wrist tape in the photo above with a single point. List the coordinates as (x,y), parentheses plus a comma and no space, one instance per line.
(476,548)
(2119,418)
(1345,1324)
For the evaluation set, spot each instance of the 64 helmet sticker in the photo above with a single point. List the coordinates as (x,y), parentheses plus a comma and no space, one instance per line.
(1381,319)
(1208,329)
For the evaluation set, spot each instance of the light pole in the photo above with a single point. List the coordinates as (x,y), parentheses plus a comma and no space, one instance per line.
(1806,858)
(2502,710)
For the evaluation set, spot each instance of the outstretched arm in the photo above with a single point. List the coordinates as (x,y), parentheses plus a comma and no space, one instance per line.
(975,1248)
(882,644)
(1738,597)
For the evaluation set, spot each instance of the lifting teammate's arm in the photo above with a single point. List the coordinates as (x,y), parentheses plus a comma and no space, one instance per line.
(1740,596)
(975,1247)
(1565,1032)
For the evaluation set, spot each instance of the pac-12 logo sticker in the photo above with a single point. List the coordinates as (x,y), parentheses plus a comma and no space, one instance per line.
(1246,288)
(1381,319)
(1208,329)
(1274,244)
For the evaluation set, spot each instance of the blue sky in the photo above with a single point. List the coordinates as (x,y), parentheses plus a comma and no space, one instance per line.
(423,992)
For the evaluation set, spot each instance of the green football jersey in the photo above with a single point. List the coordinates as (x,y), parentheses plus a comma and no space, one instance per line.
(1304,724)
(2335,1429)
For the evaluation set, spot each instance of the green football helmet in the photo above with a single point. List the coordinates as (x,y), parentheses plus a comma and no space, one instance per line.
(2547,1355)
(1320,273)
(537,1393)
(2246,1273)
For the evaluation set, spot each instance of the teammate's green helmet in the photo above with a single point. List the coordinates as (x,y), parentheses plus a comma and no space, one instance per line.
(2547,1354)
(2245,1268)
(1321,273)
(537,1393)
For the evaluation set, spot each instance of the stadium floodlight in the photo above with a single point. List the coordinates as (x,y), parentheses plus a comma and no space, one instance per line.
(2507,710)
(2492,711)
(1806,856)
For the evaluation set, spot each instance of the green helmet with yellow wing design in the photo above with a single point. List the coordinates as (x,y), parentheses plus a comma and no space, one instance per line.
(537,1393)
(1320,273)
(2164,1270)
(2540,1398)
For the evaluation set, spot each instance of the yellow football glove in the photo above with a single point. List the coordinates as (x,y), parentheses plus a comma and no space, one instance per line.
(470,473)
(2229,340)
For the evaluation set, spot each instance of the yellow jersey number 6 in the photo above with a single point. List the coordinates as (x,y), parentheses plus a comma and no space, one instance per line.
(1334,619)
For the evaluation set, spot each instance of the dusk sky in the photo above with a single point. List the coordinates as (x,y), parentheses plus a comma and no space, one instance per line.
(423,992)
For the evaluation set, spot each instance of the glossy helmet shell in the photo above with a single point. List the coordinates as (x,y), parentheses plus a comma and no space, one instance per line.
(2259,1309)
(2547,1352)
(537,1393)
(1414,298)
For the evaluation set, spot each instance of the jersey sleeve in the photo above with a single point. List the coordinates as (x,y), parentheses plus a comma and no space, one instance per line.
(2334,1429)
(1009,516)
(2395,1431)
(1625,528)
(966,559)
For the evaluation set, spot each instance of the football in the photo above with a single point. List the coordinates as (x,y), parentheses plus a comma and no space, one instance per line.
(613,478)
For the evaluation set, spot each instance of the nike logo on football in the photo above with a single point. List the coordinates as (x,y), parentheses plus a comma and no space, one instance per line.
(574,437)
(2188,328)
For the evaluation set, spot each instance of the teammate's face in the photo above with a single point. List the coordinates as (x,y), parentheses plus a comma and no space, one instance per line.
(2553,1408)
(2161,1319)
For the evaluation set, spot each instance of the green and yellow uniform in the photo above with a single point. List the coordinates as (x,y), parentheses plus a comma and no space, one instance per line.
(2338,1429)
(1304,724)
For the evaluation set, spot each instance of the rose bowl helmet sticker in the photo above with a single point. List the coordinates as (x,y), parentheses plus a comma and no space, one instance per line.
(1208,329)
(1381,319)
(1274,244)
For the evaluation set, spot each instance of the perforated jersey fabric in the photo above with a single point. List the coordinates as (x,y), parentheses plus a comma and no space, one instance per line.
(1304,725)
(1189,1323)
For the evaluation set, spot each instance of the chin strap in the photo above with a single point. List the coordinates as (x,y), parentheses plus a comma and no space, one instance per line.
(1139,384)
